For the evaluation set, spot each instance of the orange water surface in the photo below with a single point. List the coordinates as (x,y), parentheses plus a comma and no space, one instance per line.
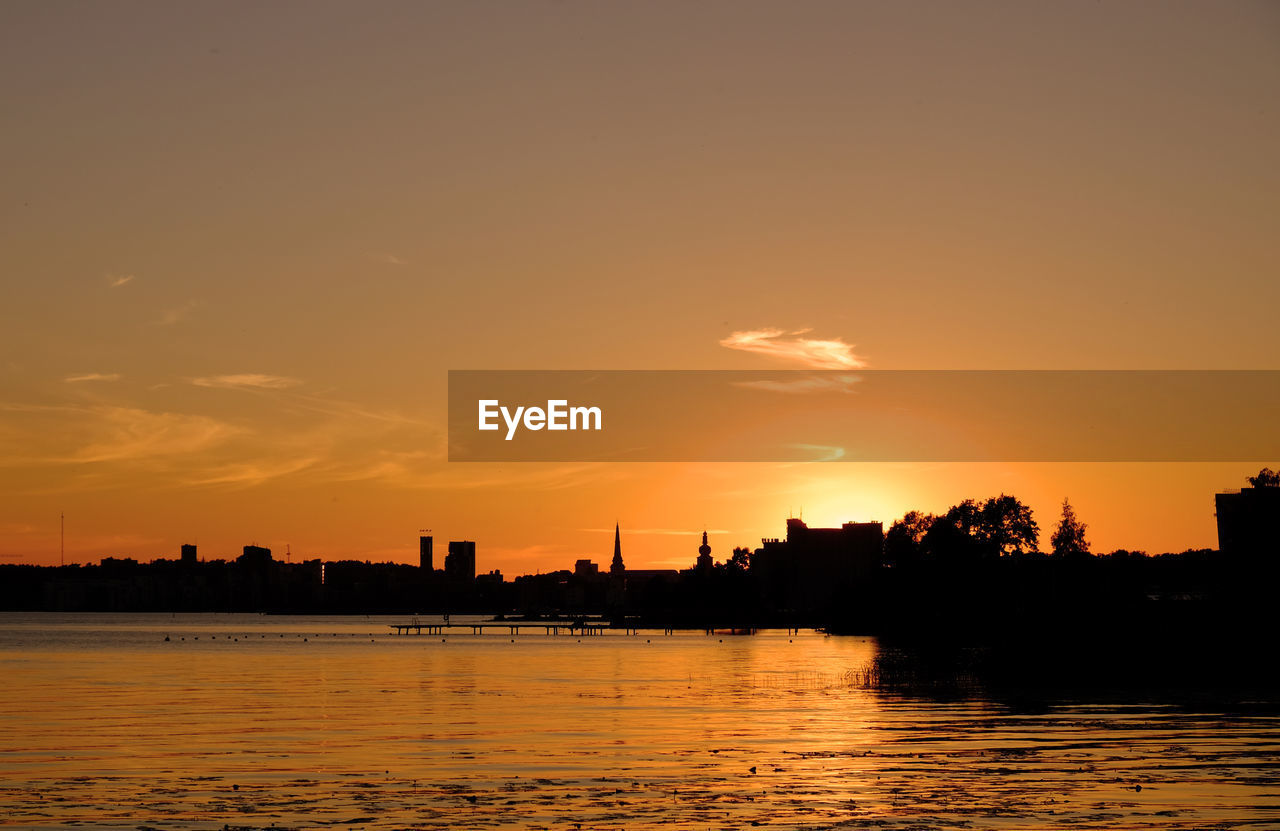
(249,721)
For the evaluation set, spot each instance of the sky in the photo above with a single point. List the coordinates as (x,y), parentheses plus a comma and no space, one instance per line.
(241,245)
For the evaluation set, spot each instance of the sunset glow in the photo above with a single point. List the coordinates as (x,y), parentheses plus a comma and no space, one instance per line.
(240,254)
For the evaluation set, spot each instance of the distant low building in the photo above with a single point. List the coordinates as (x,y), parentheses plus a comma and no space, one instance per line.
(813,566)
(255,555)
(641,576)
(586,568)
(627,585)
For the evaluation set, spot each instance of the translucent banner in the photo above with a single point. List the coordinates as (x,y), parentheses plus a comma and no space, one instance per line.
(866,416)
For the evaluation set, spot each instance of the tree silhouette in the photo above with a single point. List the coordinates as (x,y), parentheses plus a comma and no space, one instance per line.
(1068,540)
(904,539)
(1008,527)
(954,535)
(1266,478)
(1000,527)
(740,562)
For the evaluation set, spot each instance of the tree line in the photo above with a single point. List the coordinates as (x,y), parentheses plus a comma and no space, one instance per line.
(1001,526)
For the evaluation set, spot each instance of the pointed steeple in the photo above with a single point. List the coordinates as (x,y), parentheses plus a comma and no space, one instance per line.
(616,567)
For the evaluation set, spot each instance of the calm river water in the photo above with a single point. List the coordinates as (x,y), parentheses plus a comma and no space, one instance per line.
(289,722)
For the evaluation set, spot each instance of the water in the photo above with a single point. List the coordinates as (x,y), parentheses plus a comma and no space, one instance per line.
(254,722)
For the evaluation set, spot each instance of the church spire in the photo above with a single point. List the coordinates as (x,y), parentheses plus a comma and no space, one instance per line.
(616,567)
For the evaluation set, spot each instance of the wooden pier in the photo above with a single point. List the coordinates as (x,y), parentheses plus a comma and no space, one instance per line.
(512,628)
(555,628)
(417,628)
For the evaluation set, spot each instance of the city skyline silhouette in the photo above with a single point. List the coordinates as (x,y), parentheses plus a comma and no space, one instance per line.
(242,257)
(918,371)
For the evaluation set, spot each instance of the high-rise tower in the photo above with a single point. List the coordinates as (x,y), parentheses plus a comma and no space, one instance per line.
(425,554)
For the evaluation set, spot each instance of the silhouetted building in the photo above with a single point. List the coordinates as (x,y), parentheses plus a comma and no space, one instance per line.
(255,555)
(424,554)
(616,567)
(628,585)
(642,576)
(188,555)
(460,562)
(585,568)
(1249,521)
(812,567)
(705,564)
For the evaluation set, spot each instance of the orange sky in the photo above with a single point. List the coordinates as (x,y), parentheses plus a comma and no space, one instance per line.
(242,245)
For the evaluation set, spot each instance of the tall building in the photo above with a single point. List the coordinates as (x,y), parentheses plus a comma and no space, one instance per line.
(1249,522)
(460,562)
(188,554)
(705,564)
(424,554)
(616,567)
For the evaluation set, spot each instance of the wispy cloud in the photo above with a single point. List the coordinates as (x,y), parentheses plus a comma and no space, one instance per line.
(823,453)
(248,380)
(115,281)
(177,314)
(91,447)
(478,477)
(385,465)
(807,384)
(389,259)
(346,409)
(128,433)
(92,376)
(790,346)
(252,473)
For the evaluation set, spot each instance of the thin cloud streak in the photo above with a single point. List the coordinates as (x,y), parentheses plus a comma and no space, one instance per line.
(92,376)
(811,384)
(826,453)
(247,380)
(345,409)
(249,474)
(556,478)
(169,317)
(131,433)
(312,442)
(115,281)
(811,352)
